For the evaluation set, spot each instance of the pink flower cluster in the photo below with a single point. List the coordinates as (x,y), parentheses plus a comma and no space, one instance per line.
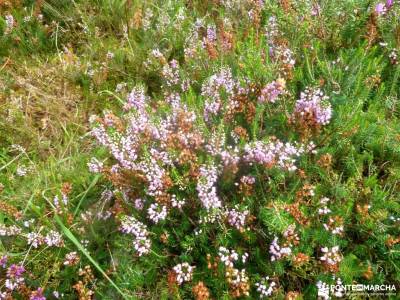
(313,106)
(277,252)
(14,277)
(213,89)
(237,218)
(272,91)
(141,243)
(273,153)
(206,189)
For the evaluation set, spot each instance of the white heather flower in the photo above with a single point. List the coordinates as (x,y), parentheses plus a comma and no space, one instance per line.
(331,256)
(245,256)
(53,238)
(71,258)
(157,212)
(266,287)
(35,239)
(184,272)
(323,290)
(227,257)
(177,203)
(110,55)
(9,231)
(22,171)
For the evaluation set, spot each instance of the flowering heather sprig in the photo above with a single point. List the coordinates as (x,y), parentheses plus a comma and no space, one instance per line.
(238,282)
(272,153)
(95,166)
(227,257)
(147,19)
(132,226)
(35,239)
(277,252)
(157,212)
(71,259)
(170,73)
(139,203)
(237,218)
(37,295)
(184,272)
(323,290)
(393,56)
(206,189)
(324,210)
(272,91)
(212,91)
(266,287)
(10,23)
(54,238)
(14,277)
(22,171)
(383,8)
(334,225)
(313,107)
(331,257)
(136,99)
(155,175)
(177,203)
(248,180)
(3,261)
(10,230)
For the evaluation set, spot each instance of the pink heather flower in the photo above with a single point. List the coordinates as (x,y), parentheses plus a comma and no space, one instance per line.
(272,91)
(157,212)
(136,99)
(389,3)
(206,189)
(277,252)
(237,218)
(3,261)
(274,153)
(212,88)
(313,104)
(37,295)
(250,180)
(380,8)
(170,72)
(138,230)
(14,277)
(316,9)
(139,204)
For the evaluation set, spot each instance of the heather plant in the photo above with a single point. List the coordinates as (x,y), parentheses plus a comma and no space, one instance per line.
(198,149)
